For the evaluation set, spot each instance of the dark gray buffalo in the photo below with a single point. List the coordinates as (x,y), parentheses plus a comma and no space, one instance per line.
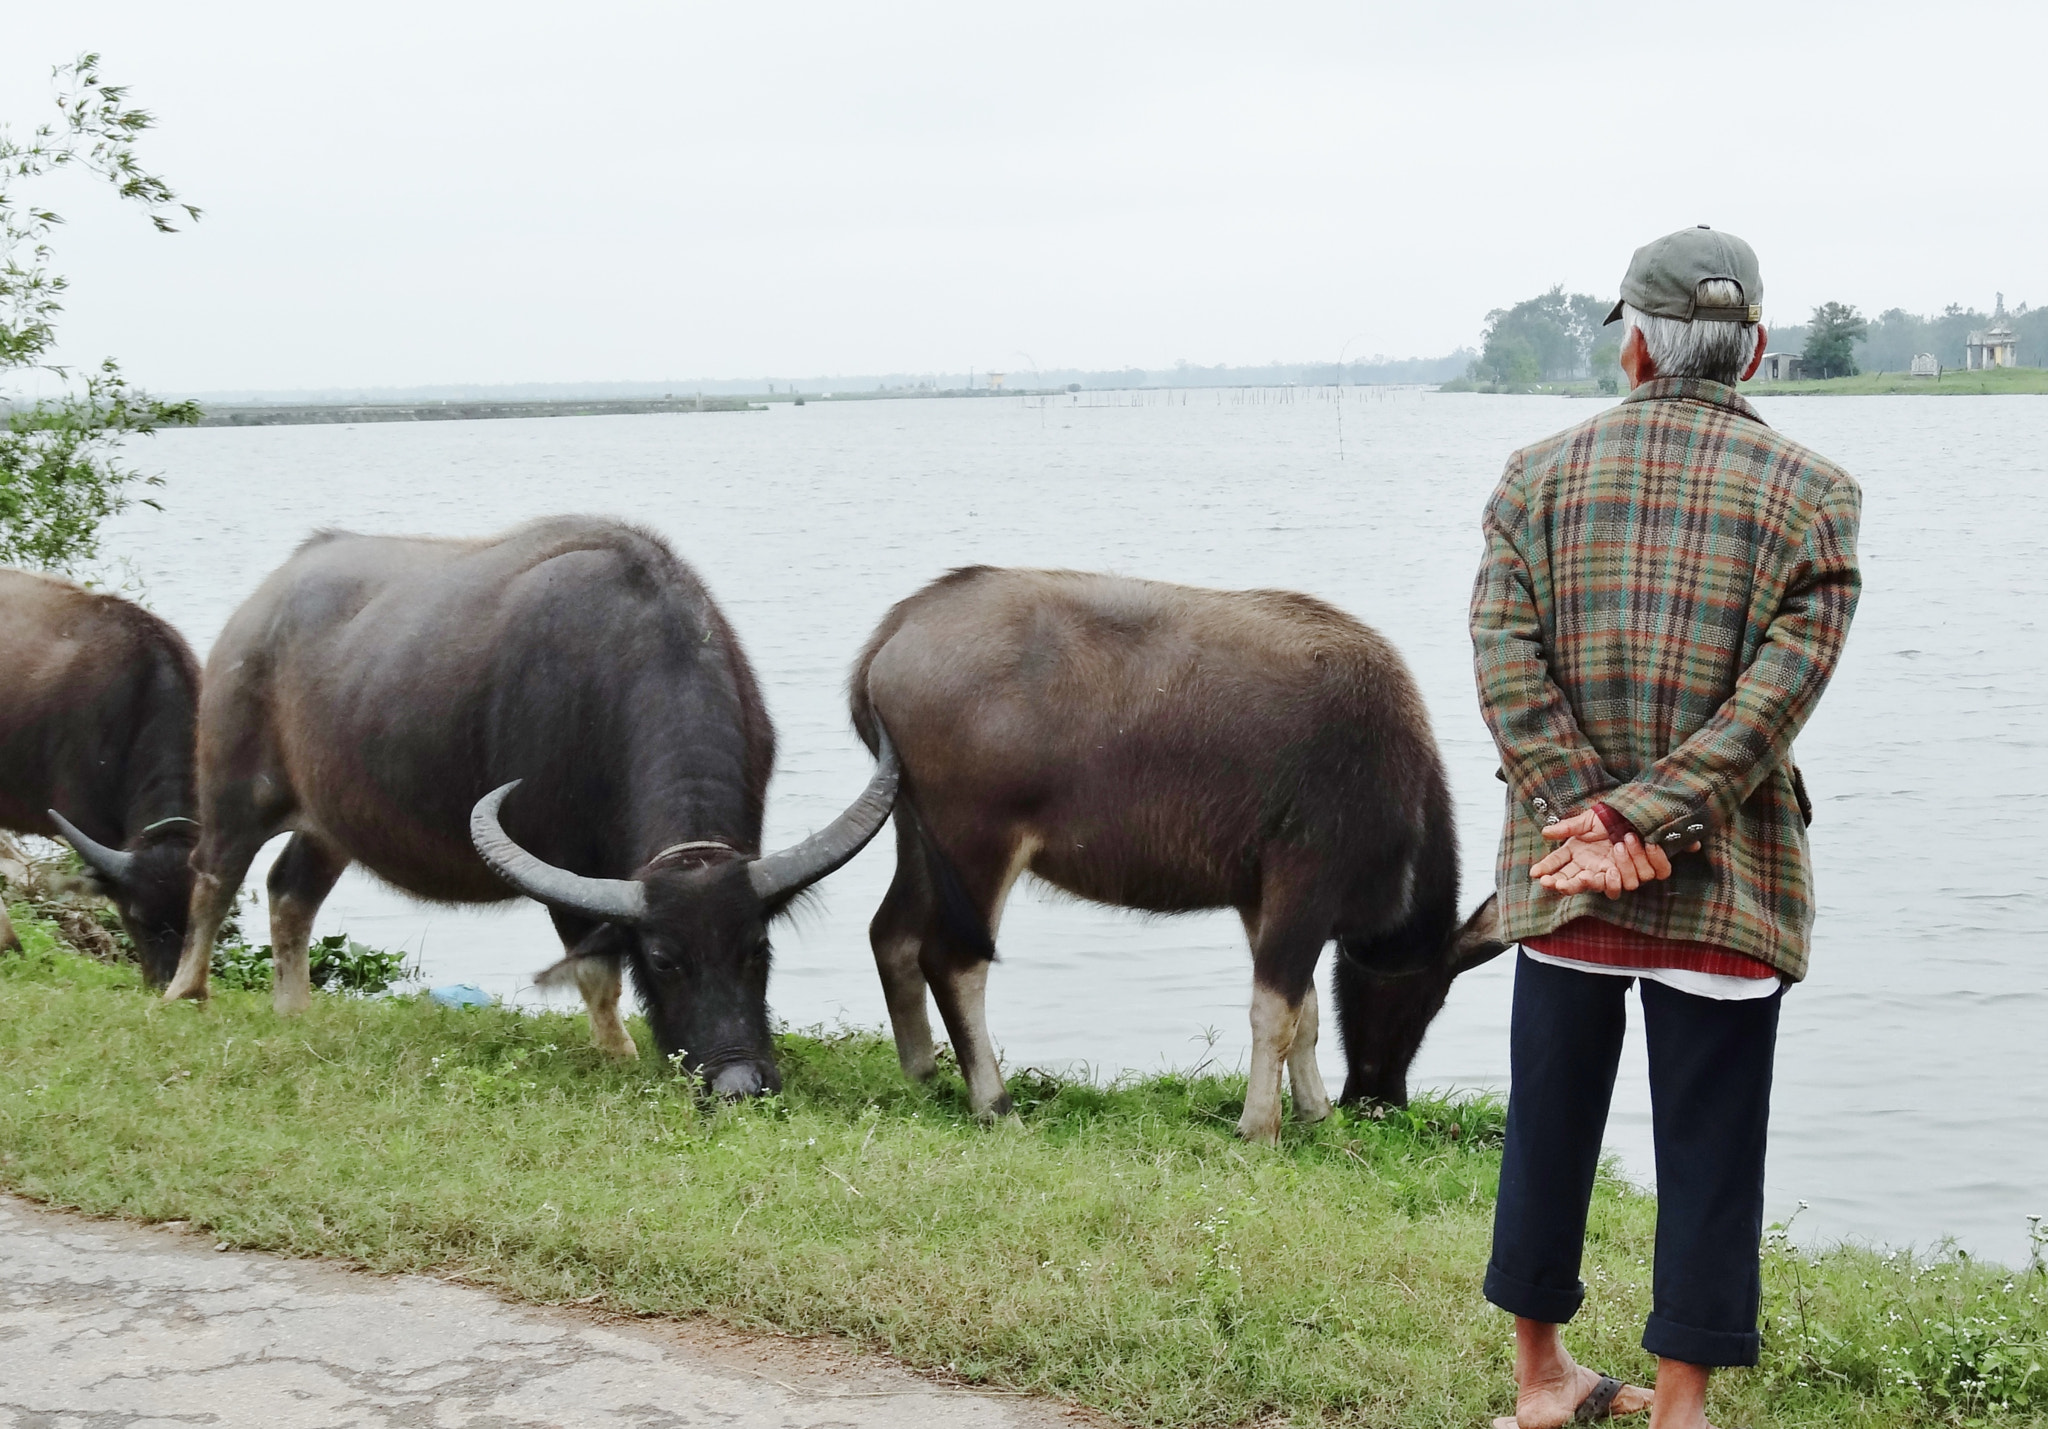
(1158,747)
(97,698)
(559,711)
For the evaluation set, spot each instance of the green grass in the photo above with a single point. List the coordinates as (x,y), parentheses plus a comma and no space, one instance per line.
(1996,382)
(1119,1247)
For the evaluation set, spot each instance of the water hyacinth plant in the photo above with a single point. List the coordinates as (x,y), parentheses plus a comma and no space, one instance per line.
(336,963)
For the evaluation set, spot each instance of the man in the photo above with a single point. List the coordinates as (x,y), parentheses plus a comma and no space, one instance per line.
(1665,592)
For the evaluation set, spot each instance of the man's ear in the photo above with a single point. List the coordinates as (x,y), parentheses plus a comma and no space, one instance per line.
(606,940)
(1756,359)
(1636,363)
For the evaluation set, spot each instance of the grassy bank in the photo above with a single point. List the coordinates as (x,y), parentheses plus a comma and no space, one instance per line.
(2004,381)
(2001,381)
(1118,1248)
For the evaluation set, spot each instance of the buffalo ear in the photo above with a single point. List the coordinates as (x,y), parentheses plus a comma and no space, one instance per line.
(1478,940)
(606,940)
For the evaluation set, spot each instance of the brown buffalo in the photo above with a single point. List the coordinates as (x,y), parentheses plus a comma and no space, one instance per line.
(1165,748)
(96,706)
(390,700)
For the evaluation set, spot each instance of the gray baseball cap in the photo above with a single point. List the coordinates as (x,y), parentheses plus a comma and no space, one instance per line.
(1664,277)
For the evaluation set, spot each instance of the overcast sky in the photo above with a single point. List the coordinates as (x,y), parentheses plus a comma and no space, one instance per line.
(420,193)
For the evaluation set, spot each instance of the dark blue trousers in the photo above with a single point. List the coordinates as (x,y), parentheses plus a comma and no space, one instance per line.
(1710,1100)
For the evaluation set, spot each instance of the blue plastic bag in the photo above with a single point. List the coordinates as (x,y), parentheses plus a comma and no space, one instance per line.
(462,994)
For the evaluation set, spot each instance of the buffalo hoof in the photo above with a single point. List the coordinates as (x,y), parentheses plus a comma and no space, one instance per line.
(1311,1112)
(615,1042)
(1260,1130)
(742,1079)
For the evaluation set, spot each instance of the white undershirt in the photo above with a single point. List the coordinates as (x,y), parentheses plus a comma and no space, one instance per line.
(1721,987)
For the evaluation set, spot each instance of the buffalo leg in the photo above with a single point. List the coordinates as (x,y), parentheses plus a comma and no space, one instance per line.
(1304,1077)
(299,883)
(959,976)
(218,870)
(596,958)
(1285,946)
(598,980)
(897,936)
(961,991)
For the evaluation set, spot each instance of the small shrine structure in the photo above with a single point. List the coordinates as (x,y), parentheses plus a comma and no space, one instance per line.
(1994,346)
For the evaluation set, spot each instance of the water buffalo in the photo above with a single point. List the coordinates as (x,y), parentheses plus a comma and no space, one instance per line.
(1165,748)
(97,698)
(560,711)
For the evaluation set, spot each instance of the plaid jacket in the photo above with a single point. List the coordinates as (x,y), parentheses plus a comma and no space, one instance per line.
(1665,593)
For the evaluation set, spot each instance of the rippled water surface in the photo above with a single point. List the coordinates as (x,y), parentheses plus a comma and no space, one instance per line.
(1913,1069)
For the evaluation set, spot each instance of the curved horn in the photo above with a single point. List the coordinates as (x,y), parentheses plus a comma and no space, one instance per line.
(112,864)
(799,866)
(615,900)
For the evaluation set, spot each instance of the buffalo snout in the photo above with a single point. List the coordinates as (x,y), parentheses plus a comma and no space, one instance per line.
(740,1080)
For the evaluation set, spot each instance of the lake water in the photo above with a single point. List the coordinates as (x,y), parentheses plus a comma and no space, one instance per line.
(1913,1068)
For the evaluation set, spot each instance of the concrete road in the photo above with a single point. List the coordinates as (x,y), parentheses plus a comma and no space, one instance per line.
(112,1326)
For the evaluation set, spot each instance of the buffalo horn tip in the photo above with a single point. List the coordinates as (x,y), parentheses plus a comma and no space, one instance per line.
(112,864)
(797,867)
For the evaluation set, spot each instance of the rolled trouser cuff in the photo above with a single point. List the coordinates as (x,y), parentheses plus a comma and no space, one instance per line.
(1529,1301)
(1716,1349)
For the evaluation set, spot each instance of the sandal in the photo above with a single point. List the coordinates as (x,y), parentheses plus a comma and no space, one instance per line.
(1595,1408)
(1599,1404)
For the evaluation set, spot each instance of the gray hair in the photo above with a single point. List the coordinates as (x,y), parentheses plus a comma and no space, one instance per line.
(1717,351)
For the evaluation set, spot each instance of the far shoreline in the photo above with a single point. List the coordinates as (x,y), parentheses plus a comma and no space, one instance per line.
(2005,381)
(295,414)
(1994,382)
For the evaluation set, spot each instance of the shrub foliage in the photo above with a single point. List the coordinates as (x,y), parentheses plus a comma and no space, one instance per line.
(61,473)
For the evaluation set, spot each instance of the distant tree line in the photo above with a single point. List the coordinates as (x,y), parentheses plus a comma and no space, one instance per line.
(1558,337)
(1552,337)
(1890,341)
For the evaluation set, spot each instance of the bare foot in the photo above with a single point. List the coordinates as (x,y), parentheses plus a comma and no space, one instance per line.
(1549,1402)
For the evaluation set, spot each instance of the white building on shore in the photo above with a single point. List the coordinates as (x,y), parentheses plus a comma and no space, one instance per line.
(1994,346)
